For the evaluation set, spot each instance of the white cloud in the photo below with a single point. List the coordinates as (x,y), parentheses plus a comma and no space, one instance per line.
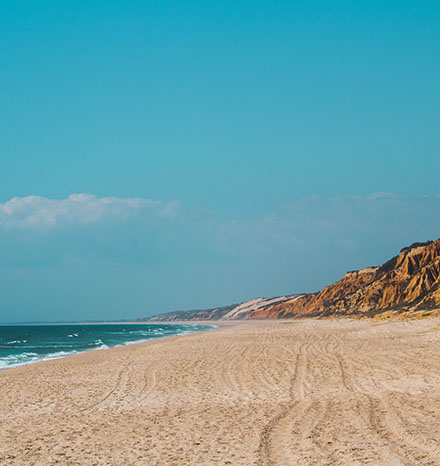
(382,195)
(342,222)
(129,229)
(77,209)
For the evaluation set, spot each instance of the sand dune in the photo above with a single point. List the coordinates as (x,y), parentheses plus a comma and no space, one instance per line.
(257,393)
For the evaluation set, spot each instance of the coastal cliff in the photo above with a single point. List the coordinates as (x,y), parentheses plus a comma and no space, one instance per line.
(408,283)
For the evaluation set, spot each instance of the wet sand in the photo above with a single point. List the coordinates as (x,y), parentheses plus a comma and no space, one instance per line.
(334,392)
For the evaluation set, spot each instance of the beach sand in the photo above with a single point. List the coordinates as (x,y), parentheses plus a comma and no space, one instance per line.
(305,392)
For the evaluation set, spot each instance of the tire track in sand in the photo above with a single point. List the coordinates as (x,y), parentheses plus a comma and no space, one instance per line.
(281,421)
(366,403)
(120,381)
(229,374)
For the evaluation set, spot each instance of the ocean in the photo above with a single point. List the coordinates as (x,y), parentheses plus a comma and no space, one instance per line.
(26,344)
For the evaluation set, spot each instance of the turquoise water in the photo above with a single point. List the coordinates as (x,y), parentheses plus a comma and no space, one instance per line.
(26,344)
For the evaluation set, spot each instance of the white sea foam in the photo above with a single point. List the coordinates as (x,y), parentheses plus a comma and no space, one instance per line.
(103,346)
(136,342)
(30,358)
(60,354)
(15,360)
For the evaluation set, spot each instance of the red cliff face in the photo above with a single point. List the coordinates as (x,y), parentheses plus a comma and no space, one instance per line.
(409,281)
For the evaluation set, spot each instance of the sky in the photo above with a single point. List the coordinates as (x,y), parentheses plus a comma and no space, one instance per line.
(171,155)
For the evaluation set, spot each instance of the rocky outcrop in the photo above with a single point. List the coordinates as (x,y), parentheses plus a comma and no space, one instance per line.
(409,282)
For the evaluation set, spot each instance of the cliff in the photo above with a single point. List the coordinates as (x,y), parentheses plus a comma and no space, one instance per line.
(408,283)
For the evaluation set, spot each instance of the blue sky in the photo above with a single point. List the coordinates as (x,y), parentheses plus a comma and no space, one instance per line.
(163,155)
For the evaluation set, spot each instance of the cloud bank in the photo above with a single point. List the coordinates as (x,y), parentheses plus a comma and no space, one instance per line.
(109,225)
(77,209)
(346,224)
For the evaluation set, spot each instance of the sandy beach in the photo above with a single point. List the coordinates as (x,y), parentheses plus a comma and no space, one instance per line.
(256,393)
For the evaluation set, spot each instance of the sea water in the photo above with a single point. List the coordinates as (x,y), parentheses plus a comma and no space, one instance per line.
(26,344)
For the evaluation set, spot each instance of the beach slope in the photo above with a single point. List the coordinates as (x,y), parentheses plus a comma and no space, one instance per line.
(257,393)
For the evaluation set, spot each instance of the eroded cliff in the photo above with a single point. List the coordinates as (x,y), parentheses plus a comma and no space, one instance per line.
(408,282)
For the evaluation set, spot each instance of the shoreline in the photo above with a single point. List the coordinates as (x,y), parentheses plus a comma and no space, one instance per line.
(216,324)
(253,393)
(104,347)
